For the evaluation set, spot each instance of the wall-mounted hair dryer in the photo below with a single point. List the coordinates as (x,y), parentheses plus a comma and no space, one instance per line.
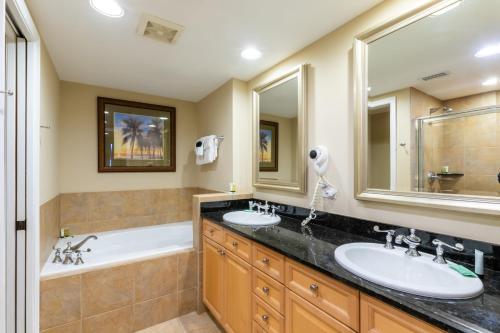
(320,159)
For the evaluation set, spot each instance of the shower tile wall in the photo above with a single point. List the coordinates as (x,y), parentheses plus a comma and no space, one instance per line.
(125,298)
(469,145)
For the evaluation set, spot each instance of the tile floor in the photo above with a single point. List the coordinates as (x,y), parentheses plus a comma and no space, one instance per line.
(189,323)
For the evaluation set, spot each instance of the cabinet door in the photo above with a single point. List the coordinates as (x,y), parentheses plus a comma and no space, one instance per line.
(302,316)
(213,282)
(237,292)
(378,317)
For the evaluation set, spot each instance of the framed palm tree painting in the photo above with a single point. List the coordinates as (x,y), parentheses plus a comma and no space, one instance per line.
(135,137)
(268,146)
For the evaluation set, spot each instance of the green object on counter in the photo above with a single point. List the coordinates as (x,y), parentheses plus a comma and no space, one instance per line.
(462,270)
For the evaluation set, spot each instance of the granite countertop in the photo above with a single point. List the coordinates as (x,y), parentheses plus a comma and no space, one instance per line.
(315,245)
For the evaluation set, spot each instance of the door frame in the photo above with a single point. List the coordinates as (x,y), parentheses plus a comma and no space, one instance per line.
(393,146)
(19,14)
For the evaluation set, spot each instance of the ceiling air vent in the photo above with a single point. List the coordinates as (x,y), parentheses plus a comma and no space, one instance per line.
(435,76)
(159,29)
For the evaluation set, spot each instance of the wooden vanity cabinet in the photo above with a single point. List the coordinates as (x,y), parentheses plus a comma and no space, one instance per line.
(250,288)
(379,317)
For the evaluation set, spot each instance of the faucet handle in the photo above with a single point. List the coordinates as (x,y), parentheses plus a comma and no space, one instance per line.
(439,258)
(388,237)
(413,237)
(68,248)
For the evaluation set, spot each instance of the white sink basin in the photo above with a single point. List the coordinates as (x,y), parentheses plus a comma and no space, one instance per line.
(244,217)
(414,275)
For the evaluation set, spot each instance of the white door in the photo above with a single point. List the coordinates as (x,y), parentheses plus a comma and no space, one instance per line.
(15,178)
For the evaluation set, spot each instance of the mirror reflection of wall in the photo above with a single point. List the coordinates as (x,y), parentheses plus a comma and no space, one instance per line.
(444,74)
(278,113)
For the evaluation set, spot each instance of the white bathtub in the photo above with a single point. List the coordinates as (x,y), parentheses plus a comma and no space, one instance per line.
(123,246)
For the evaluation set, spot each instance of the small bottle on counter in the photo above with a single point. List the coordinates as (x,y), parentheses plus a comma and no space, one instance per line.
(479,263)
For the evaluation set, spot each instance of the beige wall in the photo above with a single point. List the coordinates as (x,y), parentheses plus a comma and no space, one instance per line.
(78,143)
(215,116)
(49,116)
(331,122)
(242,137)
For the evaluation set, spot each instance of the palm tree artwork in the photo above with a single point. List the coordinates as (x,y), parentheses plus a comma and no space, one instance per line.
(265,145)
(138,137)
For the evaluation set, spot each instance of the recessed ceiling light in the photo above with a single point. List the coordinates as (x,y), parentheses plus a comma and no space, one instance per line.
(251,53)
(151,125)
(109,8)
(163,118)
(490,82)
(488,51)
(447,9)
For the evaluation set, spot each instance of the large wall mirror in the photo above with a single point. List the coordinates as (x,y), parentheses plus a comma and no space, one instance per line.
(427,89)
(279,133)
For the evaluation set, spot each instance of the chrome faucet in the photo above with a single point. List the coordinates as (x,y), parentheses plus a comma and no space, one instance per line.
(439,258)
(388,237)
(260,207)
(77,247)
(412,241)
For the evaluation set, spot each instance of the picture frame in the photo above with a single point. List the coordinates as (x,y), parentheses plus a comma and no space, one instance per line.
(135,137)
(268,146)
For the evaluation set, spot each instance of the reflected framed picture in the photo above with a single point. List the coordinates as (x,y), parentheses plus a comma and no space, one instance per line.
(268,146)
(135,137)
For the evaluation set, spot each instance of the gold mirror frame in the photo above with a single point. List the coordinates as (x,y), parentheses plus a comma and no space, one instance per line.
(300,186)
(456,202)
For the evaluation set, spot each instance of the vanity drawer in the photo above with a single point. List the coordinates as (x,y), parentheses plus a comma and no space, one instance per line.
(213,231)
(256,328)
(377,316)
(238,245)
(333,297)
(268,289)
(269,262)
(267,318)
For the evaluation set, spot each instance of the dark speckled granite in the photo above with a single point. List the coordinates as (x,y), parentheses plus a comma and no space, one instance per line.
(315,245)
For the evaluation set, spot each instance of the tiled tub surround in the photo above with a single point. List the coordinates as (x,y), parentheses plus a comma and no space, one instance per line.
(125,298)
(315,246)
(91,212)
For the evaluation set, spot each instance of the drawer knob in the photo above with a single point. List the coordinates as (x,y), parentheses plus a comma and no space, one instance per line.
(265,318)
(265,261)
(265,290)
(221,252)
(235,243)
(314,287)
(211,231)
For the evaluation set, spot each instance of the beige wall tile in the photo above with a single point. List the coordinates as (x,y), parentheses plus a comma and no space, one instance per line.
(187,301)
(188,270)
(106,205)
(482,161)
(155,278)
(155,311)
(59,301)
(137,203)
(49,228)
(107,289)
(74,327)
(117,321)
(482,185)
(74,208)
(480,131)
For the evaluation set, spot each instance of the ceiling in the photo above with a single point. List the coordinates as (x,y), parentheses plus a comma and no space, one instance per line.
(90,48)
(444,43)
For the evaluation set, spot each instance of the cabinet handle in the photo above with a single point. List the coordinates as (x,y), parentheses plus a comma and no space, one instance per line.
(211,231)
(235,243)
(265,290)
(265,318)
(221,252)
(314,287)
(265,261)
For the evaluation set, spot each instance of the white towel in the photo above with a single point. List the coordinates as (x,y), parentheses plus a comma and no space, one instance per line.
(206,149)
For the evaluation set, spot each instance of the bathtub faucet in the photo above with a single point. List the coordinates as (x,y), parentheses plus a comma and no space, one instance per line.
(77,247)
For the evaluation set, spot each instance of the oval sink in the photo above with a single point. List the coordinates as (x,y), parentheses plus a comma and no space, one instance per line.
(415,275)
(250,218)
